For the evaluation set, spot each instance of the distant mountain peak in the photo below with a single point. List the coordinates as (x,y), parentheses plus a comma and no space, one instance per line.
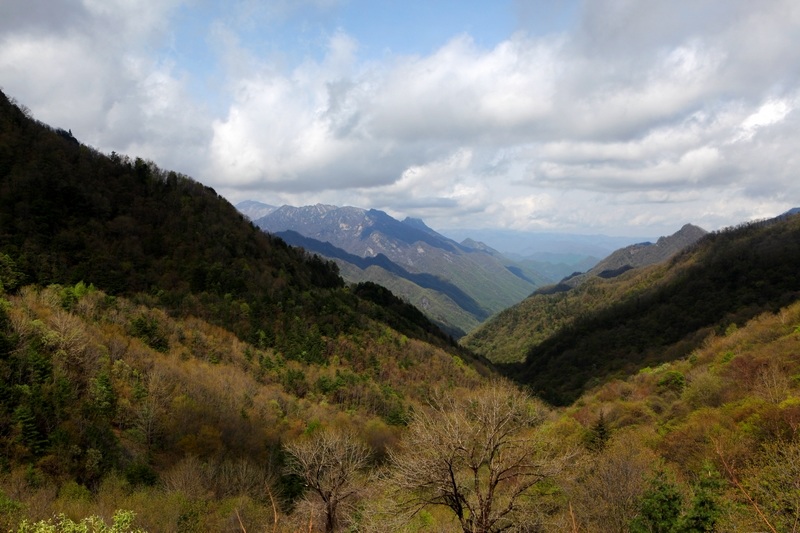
(462,285)
(254,210)
(478,245)
(687,231)
(640,255)
(416,222)
(324,208)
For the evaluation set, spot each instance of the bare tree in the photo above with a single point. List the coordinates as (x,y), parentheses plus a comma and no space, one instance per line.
(329,463)
(480,455)
(609,484)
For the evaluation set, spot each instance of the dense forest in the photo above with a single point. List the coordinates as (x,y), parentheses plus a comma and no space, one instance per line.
(563,343)
(165,366)
(70,214)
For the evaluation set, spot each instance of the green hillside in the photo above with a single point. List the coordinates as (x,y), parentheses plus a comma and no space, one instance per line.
(708,442)
(161,374)
(70,214)
(147,326)
(567,341)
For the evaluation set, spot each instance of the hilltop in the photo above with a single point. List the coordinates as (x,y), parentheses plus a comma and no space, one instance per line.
(639,255)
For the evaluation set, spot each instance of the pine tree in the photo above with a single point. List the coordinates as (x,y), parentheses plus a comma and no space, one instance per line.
(659,508)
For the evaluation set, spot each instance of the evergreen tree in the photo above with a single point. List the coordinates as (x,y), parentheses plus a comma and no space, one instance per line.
(702,516)
(659,508)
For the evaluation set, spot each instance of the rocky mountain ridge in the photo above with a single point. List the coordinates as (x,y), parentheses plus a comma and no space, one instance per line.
(399,254)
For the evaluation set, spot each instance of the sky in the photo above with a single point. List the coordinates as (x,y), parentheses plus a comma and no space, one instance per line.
(621,117)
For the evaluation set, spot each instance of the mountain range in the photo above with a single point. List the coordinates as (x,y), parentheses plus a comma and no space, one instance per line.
(458,285)
(164,363)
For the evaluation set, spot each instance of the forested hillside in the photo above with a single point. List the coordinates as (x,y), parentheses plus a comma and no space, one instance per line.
(708,442)
(101,394)
(165,366)
(563,343)
(189,429)
(145,323)
(70,214)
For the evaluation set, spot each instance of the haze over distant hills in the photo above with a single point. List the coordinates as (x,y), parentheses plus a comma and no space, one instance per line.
(545,246)
(636,256)
(255,210)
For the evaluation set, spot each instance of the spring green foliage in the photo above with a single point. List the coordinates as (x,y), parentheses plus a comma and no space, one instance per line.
(166,372)
(156,432)
(659,508)
(84,399)
(705,511)
(122,523)
(561,344)
(662,507)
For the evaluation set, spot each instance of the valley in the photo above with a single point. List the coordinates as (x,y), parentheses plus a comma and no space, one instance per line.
(168,365)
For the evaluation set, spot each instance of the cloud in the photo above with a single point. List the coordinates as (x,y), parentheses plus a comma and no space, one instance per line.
(87,66)
(300,131)
(636,112)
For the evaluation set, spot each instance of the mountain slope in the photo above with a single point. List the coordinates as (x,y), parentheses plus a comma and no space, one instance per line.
(416,287)
(145,325)
(457,285)
(254,210)
(721,423)
(607,326)
(70,214)
(640,255)
(508,336)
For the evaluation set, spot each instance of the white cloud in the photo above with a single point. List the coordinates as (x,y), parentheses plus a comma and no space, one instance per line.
(643,113)
(93,72)
(771,112)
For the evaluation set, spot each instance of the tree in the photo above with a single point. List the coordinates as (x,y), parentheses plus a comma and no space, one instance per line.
(704,512)
(659,508)
(329,462)
(122,522)
(479,454)
(599,434)
(607,491)
(775,482)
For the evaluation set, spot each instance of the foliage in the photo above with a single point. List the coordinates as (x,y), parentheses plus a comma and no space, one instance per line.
(609,484)
(705,511)
(104,404)
(776,483)
(598,435)
(659,508)
(480,455)
(574,340)
(122,523)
